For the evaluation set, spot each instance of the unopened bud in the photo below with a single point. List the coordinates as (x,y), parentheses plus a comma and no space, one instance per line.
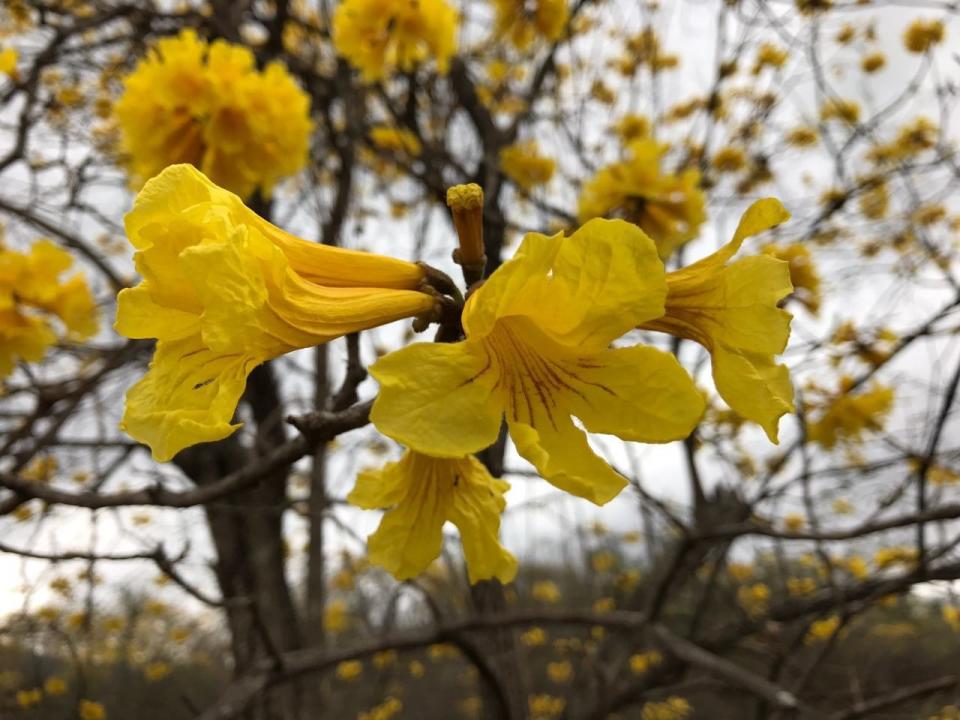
(466,205)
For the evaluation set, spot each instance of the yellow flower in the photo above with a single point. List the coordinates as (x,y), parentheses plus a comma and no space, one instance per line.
(380,36)
(673,708)
(336,616)
(560,672)
(886,558)
(210,107)
(794,522)
(840,109)
(31,294)
(848,416)
(398,140)
(537,342)
(543,707)
(349,669)
(802,136)
(156,671)
(642,662)
(821,630)
(524,22)
(731,309)
(90,710)
(921,35)
(8,62)
(729,159)
(224,291)
(546,591)
(803,273)
(633,127)
(873,62)
(422,493)
(386,710)
(26,699)
(951,616)
(55,685)
(669,208)
(534,637)
(770,55)
(525,166)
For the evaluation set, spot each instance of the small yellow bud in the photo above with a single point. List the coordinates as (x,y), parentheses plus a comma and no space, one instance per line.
(466,205)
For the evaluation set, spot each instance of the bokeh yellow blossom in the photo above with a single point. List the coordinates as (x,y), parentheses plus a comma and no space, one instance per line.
(380,37)
(208,105)
(38,306)
(669,208)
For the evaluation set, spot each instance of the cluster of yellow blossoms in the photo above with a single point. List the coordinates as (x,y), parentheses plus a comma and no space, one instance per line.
(32,293)
(224,291)
(208,105)
(379,37)
(525,22)
(668,208)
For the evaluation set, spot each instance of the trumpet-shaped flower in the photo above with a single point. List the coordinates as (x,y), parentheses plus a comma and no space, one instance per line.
(223,291)
(380,36)
(187,102)
(421,493)
(731,309)
(32,294)
(669,208)
(524,22)
(537,350)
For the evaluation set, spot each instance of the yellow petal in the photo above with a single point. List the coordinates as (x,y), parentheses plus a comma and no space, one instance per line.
(760,216)
(182,194)
(582,291)
(754,387)
(563,457)
(139,316)
(188,396)
(477,505)
(636,393)
(438,398)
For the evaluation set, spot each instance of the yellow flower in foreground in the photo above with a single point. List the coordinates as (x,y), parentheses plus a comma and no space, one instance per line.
(669,208)
(848,416)
(210,106)
(32,294)
(731,309)
(523,163)
(421,494)
(380,36)
(224,291)
(524,22)
(8,62)
(537,349)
